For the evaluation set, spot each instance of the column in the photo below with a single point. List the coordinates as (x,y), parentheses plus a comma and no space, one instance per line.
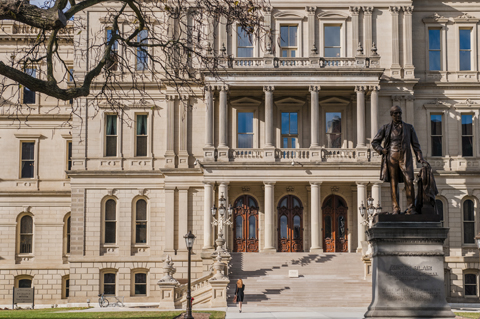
(183,226)
(170,152)
(183,119)
(315,218)
(269,216)
(377,194)
(169,219)
(207,215)
(315,115)
(311,30)
(208,149)
(361,198)
(355,11)
(268,115)
(407,44)
(395,68)
(223,125)
(374,109)
(222,35)
(268,28)
(367,29)
(360,116)
(223,189)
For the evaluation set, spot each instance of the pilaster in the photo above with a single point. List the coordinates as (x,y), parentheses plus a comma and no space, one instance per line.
(395,67)
(269,153)
(267,18)
(269,216)
(315,116)
(169,220)
(184,117)
(315,218)
(361,198)
(170,134)
(311,31)
(209,149)
(374,110)
(409,69)
(223,125)
(355,12)
(207,217)
(367,29)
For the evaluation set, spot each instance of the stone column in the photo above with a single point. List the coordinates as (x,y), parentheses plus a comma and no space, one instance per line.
(182,216)
(169,219)
(315,116)
(355,11)
(374,110)
(311,31)
(316,218)
(183,119)
(269,154)
(360,116)
(170,134)
(395,68)
(407,44)
(207,215)
(377,194)
(223,125)
(223,189)
(367,29)
(269,216)
(361,198)
(208,149)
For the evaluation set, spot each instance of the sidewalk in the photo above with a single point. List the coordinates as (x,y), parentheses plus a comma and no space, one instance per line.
(296,312)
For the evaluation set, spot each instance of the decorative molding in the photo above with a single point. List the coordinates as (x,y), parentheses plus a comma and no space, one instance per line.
(288,15)
(314,88)
(268,10)
(368,10)
(268,88)
(112,192)
(245,189)
(290,101)
(334,189)
(394,9)
(28,136)
(338,15)
(311,10)
(245,101)
(408,9)
(223,87)
(290,189)
(435,18)
(360,88)
(374,88)
(354,10)
(466,18)
(27,209)
(67,136)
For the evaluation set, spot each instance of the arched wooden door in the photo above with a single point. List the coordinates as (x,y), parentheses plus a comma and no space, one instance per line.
(334,212)
(245,224)
(290,224)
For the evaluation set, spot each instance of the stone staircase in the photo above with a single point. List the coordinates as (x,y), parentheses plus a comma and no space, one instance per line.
(325,280)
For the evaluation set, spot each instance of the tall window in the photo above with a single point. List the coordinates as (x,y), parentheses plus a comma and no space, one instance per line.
(434,50)
(470,281)
(245,130)
(67,288)
(111,136)
(29,95)
(142,57)
(334,129)
(288,41)
(244,43)
(468,222)
(436,134)
(467,135)
(26,235)
(109,284)
(141,135)
(28,160)
(69,155)
(141,222)
(465,49)
(112,64)
(439,210)
(67,235)
(332,41)
(289,130)
(110,222)
(140,284)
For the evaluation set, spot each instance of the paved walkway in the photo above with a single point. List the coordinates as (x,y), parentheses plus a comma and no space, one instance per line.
(293,312)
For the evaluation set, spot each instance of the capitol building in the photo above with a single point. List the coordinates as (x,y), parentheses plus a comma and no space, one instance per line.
(95,201)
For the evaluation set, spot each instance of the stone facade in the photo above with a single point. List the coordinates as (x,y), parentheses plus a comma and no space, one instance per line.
(194,154)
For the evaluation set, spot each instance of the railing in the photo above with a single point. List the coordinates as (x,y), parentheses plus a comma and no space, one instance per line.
(289,62)
(247,62)
(337,62)
(245,154)
(289,154)
(339,155)
(280,63)
(201,291)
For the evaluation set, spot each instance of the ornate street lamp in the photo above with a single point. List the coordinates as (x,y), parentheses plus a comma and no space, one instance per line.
(223,220)
(189,240)
(368,213)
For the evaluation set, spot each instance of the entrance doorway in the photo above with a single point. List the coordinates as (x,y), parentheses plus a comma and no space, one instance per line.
(335,224)
(245,224)
(290,221)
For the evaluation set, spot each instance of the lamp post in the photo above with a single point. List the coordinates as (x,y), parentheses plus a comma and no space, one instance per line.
(222,220)
(477,240)
(189,240)
(368,213)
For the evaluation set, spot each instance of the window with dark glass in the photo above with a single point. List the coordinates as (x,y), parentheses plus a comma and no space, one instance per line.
(29,95)
(109,284)
(142,135)
(69,155)
(252,229)
(283,226)
(244,43)
(434,50)
(467,135)
(439,210)
(332,41)
(142,56)
(465,49)
(26,235)
(140,284)
(112,63)
(28,160)
(470,284)
(67,288)
(333,129)
(289,130)
(141,222)
(25,283)
(111,135)
(68,235)
(110,221)
(436,134)
(245,130)
(468,222)
(328,227)
(239,227)
(296,227)
(288,41)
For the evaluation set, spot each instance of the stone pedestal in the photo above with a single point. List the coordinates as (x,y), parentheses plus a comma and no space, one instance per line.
(408,268)
(167,295)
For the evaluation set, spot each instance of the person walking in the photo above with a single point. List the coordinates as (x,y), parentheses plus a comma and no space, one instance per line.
(239,293)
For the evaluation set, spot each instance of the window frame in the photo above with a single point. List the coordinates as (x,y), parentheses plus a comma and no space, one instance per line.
(35,159)
(133,283)
(471,113)
(435,50)
(19,234)
(326,107)
(472,244)
(470,272)
(289,18)
(22,277)
(430,145)
(134,221)
(473,44)
(35,93)
(237,46)
(67,243)
(296,136)
(289,48)
(117,50)
(333,18)
(443,110)
(65,289)
(118,134)
(69,156)
(148,135)
(342,54)
(137,63)
(103,272)
(103,220)
(235,112)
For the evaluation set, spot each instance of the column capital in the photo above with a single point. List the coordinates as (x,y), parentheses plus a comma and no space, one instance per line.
(312,184)
(311,10)
(209,88)
(360,184)
(268,88)
(360,88)
(171,97)
(207,184)
(224,183)
(314,88)
(394,10)
(223,87)
(368,10)
(269,183)
(268,10)
(374,88)
(408,10)
(355,10)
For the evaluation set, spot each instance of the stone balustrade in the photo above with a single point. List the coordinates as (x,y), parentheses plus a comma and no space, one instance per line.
(337,62)
(299,62)
(293,154)
(339,155)
(246,154)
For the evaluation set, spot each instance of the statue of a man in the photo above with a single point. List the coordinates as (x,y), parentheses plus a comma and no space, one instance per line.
(397,164)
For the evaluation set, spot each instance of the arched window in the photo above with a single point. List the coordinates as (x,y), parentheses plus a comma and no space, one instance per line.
(26,235)
(468,222)
(110,222)
(470,284)
(23,281)
(141,222)
(65,287)
(66,234)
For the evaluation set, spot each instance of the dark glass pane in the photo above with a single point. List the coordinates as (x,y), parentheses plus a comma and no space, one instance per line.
(240,202)
(292,36)
(110,232)
(26,244)
(26,225)
(334,140)
(332,52)
(468,233)
(284,202)
(329,202)
(141,146)
(28,96)
(69,156)
(465,61)
(467,124)
(465,39)
(468,213)
(111,146)
(245,122)
(285,142)
(467,145)
(140,289)
(141,125)
(245,53)
(252,229)
(251,202)
(68,235)
(296,203)
(111,125)
(109,289)
(341,227)
(470,279)
(24,283)
(243,39)
(296,227)
(334,122)
(434,60)
(109,278)
(436,146)
(27,169)
(110,209)
(283,226)
(142,51)
(434,39)
(140,278)
(285,123)
(436,124)
(141,210)
(439,208)
(283,36)
(328,227)
(141,233)
(292,140)
(284,53)
(293,53)
(109,37)
(293,123)
(67,288)
(339,202)
(332,36)
(245,140)
(28,151)
(239,227)
(470,290)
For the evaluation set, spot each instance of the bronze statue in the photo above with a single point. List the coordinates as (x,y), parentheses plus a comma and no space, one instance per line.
(397,164)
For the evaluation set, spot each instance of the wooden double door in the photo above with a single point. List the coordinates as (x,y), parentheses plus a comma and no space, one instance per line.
(245,224)
(335,229)
(290,224)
